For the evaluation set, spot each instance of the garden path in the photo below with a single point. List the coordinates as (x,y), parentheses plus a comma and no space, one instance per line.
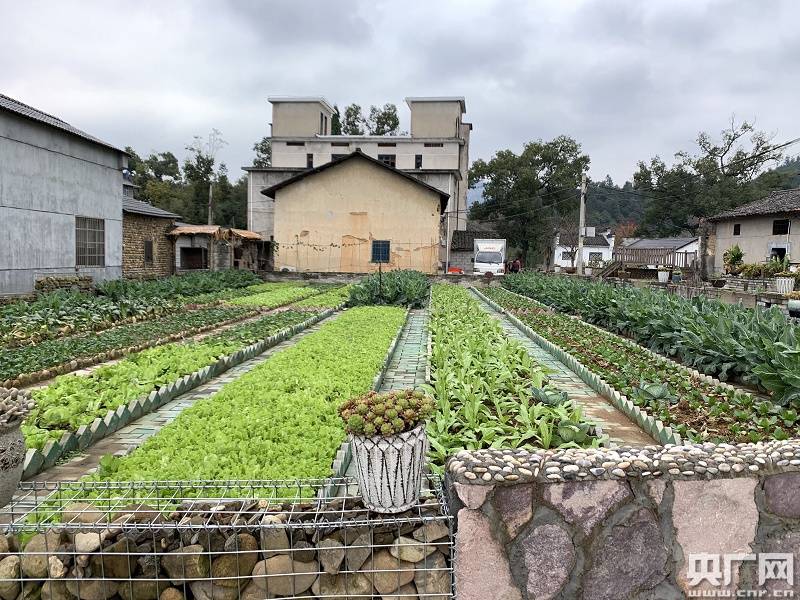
(619,428)
(131,436)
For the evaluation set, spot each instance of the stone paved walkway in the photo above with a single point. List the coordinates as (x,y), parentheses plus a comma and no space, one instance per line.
(131,436)
(407,367)
(619,428)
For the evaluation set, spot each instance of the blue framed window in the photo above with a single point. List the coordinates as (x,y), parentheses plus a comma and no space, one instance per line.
(380,251)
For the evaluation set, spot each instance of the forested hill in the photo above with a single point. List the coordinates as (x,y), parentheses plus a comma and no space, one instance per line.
(609,205)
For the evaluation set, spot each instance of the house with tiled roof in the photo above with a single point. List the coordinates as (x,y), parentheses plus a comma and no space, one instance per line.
(764,229)
(596,248)
(60,200)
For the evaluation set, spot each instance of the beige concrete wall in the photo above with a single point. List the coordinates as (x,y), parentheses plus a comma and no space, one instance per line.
(327,222)
(755,240)
(435,119)
(298,118)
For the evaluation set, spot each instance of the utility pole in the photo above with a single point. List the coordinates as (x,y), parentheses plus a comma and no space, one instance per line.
(210,202)
(581,225)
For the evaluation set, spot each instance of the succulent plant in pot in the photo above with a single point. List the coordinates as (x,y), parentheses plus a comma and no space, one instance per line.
(14,407)
(388,441)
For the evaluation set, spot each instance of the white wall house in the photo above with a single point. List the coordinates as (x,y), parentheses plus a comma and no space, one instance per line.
(595,248)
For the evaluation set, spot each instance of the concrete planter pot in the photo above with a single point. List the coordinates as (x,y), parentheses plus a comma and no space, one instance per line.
(12,461)
(663,277)
(390,469)
(784,285)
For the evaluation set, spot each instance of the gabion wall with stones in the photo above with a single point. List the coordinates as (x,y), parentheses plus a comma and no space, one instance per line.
(599,524)
(227,550)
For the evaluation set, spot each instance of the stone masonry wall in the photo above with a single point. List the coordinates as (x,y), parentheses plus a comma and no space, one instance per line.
(621,524)
(136,229)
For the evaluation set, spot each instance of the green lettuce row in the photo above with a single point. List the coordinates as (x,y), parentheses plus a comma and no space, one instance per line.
(278,296)
(690,405)
(489,392)
(52,353)
(329,299)
(730,342)
(277,421)
(190,284)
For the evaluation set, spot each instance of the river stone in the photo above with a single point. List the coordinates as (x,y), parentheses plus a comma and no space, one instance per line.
(142,589)
(83,512)
(241,557)
(54,589)
(628,558)
(34,557)
(304,551)
(31,590)
(344,585)
(783,542)
(431,531)
(481,566)
(9,570)
(515,505)
(189,562)
(407,592)
(87,589)
(358,551)
(4,546)
(274,539)
(410,550)
(432,578)
(714,517)
(783,494)
(549,558)
(388,573)
(56,568)
(171,593)
(287,577)
(331,555)
(586,503)
(115,561)
(209,590)
(138,513)
(86,542)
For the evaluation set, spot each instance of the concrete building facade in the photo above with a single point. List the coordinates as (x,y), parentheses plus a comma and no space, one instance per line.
(436,152)
(336,217)
(60,200)
(765,229)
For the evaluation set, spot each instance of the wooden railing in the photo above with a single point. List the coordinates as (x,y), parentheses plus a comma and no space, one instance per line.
(654,257)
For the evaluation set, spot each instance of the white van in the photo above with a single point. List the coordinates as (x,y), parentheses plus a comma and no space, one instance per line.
(490,257)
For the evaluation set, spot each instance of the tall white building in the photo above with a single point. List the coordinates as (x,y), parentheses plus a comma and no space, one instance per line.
(435,152)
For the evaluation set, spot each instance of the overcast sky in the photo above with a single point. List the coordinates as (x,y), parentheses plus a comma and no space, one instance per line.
(627,79)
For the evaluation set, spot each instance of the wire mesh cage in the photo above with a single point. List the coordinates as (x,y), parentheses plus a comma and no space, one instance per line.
(247,540)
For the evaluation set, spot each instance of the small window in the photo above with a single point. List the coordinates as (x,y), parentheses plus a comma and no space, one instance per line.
(295,143)
(310,160)
(321,123)
(148,252)
(418,161)
(595,256)
(325,130)
(434,144)
(737,229)
(337,156)
(380,251)
(127,191)
(90,242)
(341,144)
(566,256)
(386,144)
(387,159)
(780,227)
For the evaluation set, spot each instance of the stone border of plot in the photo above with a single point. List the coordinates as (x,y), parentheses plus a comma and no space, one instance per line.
(653,427)
(344,456)
(38,460)
(694,462)
(429,347)
(65,368)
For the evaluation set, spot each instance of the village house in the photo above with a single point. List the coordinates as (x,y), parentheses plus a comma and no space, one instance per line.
(147,250)
(764,229)
(216,248)
(596,249)
(352,214)
(60,200)
(435,152)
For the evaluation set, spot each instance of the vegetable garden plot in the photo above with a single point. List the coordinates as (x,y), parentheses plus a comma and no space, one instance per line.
(328,299)
(754,346)
(75,400)
(488,390)
(188,285)
(692,406)
(279,296)
(280,419)
(22,366)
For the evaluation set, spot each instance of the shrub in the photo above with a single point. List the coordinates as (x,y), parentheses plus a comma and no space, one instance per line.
(386,414)
(733,259)
(400,288)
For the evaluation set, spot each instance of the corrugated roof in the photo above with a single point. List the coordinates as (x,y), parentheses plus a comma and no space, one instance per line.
(670,243)
(777,202)
(138,207)
(34,114)
(270,191)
